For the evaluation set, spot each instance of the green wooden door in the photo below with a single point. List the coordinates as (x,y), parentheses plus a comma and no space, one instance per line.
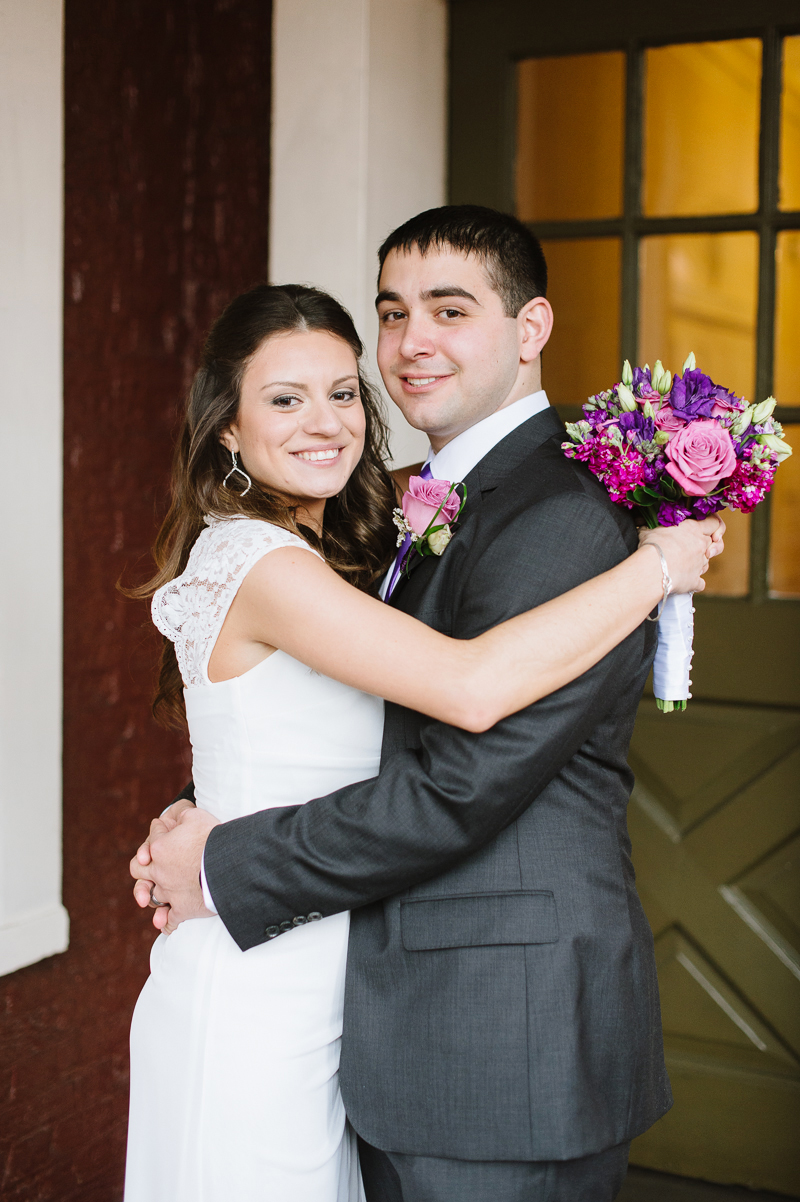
(655,150)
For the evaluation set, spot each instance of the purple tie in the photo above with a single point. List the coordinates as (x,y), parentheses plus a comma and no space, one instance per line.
(425,474)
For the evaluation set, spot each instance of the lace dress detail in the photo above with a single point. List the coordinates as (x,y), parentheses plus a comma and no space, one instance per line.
(191,609)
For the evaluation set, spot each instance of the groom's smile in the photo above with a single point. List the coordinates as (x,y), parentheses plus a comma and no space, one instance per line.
(418,383)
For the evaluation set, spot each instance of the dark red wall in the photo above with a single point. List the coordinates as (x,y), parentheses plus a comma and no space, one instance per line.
(167,160)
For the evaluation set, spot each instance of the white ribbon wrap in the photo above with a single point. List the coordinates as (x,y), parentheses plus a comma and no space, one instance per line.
(673,660)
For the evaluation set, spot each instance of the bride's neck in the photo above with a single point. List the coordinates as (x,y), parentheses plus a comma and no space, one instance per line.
(310,513)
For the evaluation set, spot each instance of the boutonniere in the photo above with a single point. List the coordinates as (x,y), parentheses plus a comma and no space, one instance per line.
(429,509)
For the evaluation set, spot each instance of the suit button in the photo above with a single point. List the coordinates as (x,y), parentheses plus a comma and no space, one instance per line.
(271,932)
(286,926)
(299,921)
(314,916)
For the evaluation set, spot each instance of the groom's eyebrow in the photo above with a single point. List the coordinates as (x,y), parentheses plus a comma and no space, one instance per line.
(446,290)
(440,293)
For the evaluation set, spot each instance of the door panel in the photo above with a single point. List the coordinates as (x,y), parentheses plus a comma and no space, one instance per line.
(713,820)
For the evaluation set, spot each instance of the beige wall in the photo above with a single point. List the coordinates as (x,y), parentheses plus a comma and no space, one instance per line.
(358,146)
(33,923)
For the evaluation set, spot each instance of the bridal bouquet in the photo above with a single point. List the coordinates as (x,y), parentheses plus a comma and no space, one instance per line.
(671,449)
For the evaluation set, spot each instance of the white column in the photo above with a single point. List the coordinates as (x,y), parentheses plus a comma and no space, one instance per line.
(358,146)
(33,923)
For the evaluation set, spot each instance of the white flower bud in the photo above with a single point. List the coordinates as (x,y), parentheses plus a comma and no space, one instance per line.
(761,412)
(627,373)
(626,398)
(742,421)
(666,383)
(691,362)
(648,410)
(439,540)
(781,448)
(657,375)
(578,431)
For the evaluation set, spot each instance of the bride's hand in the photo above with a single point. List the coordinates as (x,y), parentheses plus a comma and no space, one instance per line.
(688,548)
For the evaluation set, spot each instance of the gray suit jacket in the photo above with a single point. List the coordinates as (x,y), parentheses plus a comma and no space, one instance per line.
(501,999)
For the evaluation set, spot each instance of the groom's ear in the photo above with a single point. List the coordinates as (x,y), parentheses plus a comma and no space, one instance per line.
(534,323)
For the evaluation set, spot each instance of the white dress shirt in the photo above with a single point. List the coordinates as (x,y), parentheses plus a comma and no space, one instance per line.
(458,457)
(455,461)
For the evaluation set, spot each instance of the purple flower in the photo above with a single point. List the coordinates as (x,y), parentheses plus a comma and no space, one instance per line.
(642,429)
(642,386)
(620,469)
(704,506)
(694,395)
(672,513)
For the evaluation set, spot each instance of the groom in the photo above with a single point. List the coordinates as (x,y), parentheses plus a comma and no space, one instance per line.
(502,1037)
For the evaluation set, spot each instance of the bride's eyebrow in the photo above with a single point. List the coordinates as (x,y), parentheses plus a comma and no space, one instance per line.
(294,383)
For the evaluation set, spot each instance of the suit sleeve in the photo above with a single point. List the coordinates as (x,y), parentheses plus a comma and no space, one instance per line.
(431,807)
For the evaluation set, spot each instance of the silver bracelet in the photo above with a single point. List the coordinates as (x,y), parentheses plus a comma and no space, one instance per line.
(666,580)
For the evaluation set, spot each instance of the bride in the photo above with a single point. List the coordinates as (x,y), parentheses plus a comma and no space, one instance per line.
(277,653)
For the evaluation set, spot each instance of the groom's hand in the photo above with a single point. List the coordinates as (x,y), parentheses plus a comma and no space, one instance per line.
(168,866)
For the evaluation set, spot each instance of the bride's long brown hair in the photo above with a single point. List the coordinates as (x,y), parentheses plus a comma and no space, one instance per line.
(357,536)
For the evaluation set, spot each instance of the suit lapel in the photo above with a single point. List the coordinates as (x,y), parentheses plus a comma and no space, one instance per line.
(487,474)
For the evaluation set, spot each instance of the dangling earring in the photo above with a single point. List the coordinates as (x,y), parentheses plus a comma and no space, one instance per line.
(241,472)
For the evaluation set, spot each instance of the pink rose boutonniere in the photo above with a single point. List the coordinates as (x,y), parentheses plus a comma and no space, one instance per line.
(429,509)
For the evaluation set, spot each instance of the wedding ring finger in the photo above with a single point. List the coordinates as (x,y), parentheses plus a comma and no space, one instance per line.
(154,902)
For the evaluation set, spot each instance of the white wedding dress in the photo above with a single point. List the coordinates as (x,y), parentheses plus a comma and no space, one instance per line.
(234,1055)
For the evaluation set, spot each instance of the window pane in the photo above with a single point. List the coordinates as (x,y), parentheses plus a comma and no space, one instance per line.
(698,293)
(570,137)
(784,546)
(790,126)
(729,574)
(702,105)
(582,355)
(787,320)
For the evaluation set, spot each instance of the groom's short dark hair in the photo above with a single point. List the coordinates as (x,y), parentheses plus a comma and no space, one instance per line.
(511,254)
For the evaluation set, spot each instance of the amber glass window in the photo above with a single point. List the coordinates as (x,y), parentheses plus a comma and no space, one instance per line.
(572,122)
(664,182)
(701,128)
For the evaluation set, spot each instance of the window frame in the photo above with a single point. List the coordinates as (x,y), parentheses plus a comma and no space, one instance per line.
(767,222)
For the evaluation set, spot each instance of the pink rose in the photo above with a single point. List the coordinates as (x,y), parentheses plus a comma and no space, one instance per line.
(423,499)
(727,406)
(700,455)
(666,419)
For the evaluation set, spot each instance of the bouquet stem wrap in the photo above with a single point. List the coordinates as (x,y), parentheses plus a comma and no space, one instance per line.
(673,661)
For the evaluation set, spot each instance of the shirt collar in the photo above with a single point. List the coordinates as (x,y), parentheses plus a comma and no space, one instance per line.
(459,456)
